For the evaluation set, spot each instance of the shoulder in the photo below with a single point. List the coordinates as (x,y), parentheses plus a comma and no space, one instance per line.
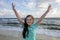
(34,25)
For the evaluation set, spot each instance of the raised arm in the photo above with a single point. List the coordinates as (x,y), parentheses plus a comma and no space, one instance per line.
(42,17)
(16,13)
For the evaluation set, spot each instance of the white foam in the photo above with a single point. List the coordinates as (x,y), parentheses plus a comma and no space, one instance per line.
(14,31)
(55,33)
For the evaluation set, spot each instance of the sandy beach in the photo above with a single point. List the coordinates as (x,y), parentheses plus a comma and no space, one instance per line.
(39,37)
(8,33)
(45,37)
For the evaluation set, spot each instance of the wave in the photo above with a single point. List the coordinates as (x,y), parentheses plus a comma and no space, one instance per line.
(55,33)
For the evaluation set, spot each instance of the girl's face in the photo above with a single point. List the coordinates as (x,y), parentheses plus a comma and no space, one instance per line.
(29,20)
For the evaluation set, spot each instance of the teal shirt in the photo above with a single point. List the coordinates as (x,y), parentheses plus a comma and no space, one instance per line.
(32,32)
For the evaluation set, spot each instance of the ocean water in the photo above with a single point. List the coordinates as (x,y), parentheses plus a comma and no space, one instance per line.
(47,22)
(11,23)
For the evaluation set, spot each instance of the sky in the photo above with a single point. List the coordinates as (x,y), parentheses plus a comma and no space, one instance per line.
(29,7)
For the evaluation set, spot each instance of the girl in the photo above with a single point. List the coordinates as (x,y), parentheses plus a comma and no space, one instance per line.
(29,29)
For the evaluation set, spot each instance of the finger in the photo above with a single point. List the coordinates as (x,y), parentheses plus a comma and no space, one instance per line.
(49,6)
(12,3)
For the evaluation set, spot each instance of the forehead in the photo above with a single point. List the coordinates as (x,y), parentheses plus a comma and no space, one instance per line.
(29,17)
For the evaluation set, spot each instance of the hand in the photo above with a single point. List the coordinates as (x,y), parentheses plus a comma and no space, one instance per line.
(13,6)
(49,8)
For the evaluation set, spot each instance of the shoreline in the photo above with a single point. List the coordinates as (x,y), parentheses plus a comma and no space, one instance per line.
(45,37)
(38,37)
(14,33)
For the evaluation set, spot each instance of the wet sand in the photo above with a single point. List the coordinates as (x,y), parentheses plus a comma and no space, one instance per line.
(39,37)
(3,37)
(6,34)
(45,37)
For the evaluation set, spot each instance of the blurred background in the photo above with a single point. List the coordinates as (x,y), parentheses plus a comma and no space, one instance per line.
(10,28)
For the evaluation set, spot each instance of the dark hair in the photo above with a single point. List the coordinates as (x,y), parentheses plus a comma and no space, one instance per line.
(25,29)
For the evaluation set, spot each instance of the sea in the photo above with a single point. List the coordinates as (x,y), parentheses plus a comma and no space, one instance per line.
(49,26)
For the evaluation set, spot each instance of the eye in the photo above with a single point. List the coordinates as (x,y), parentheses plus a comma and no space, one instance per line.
(30,19)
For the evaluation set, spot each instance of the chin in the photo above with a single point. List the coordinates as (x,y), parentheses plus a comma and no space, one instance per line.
(29,24)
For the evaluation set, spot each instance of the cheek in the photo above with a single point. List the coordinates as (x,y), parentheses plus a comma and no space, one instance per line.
(30,21)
